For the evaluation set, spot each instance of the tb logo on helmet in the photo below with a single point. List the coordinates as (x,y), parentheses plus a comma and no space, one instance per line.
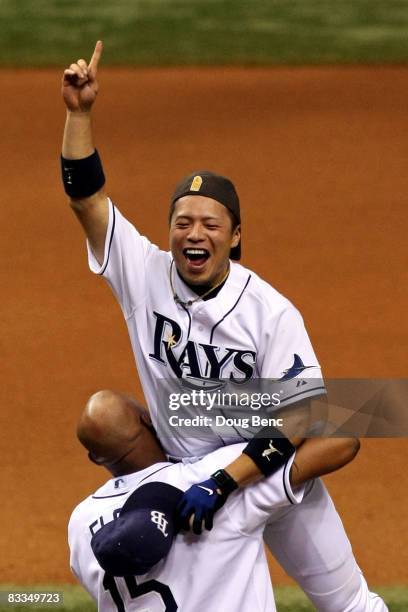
(158,518)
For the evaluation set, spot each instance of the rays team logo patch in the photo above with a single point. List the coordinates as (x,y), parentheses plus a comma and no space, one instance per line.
(196,183)
(297,368)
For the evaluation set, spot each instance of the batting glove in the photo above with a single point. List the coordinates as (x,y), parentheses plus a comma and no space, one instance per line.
(202,500)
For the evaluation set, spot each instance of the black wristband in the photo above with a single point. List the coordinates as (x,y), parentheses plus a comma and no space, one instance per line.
(269,454)
(82,177)
(226,483)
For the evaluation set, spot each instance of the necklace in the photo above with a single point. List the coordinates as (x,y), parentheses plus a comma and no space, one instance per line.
(199,297)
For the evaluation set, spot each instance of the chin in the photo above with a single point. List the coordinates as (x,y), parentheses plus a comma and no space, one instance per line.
(199,277)
(196,279)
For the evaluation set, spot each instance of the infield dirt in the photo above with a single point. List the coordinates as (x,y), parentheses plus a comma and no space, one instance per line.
(319,157)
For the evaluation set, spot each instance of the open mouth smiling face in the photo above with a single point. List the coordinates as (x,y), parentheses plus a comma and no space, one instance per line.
(201,237)
(196,257)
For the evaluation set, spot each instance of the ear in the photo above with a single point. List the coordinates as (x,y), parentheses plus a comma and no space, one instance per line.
(236,236)
(145,418)
(95,459)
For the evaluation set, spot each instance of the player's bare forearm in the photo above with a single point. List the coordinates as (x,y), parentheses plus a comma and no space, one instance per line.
(314,457)
(319,456)
(244,471)
(78,139)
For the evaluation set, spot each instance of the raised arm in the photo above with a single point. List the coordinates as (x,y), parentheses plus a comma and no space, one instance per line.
(81,168)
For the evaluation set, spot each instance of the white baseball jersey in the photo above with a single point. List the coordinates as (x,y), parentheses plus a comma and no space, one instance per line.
(223,569)
(248,331)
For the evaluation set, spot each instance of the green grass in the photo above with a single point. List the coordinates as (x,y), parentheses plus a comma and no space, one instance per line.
(288,599)
(166,32)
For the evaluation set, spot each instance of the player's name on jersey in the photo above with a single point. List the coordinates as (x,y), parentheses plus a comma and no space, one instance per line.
(222,421)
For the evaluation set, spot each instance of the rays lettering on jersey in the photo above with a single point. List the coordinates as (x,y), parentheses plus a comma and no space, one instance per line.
(197,359)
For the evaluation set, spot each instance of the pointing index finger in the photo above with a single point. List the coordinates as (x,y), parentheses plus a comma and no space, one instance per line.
(93,64)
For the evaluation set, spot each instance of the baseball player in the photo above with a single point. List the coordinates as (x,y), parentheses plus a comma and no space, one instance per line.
(194,314)
(120,556)
(122,538)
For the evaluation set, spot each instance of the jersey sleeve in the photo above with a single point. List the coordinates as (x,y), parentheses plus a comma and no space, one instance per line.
(73,547)
(126,257)
(289,362)
(253,505)
(83,563)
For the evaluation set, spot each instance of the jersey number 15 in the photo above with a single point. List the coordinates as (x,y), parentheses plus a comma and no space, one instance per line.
(139,590)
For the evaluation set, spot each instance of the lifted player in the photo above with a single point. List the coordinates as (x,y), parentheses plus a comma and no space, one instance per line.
(194,313)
